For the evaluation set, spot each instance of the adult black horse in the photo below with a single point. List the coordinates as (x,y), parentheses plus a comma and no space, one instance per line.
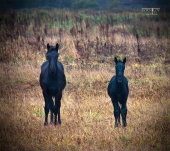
(52,81)
(118,91)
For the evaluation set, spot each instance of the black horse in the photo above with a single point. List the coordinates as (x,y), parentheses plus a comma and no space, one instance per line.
(52,82)
(118,91)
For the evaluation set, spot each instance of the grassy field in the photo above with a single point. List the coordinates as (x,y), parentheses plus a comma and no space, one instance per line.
(89,41)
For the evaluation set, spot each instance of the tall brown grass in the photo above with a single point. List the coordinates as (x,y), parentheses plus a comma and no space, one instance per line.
(87,53)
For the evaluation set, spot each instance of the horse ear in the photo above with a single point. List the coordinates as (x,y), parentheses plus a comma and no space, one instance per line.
(115,60)
(57,46)
(48,46)
(124,60)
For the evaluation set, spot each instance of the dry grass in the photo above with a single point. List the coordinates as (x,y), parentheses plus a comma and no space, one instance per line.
(86,111)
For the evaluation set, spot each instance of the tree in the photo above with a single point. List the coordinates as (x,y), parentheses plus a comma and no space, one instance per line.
(163,4)
(84,4)
(113,4)
(93,4)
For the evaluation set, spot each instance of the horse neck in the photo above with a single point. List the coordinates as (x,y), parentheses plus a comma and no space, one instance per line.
(119,86)
(55,75)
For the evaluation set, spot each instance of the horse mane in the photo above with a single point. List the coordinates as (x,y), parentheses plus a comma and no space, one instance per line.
(119,61)
(52,48)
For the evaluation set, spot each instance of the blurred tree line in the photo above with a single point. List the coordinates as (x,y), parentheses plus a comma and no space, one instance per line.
(73,4)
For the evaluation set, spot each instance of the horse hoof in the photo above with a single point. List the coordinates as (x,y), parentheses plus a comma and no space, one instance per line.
(116,125)
(45,123)
(51,123)
(124,124)
(55,123)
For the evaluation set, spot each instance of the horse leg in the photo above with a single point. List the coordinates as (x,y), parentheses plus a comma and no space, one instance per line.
(57,108)
(123,114)
(51,105)
(116,112)
(46,108)
(119,115)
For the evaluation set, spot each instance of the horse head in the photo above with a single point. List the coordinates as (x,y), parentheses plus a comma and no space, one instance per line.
(52,57)
(120,67)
